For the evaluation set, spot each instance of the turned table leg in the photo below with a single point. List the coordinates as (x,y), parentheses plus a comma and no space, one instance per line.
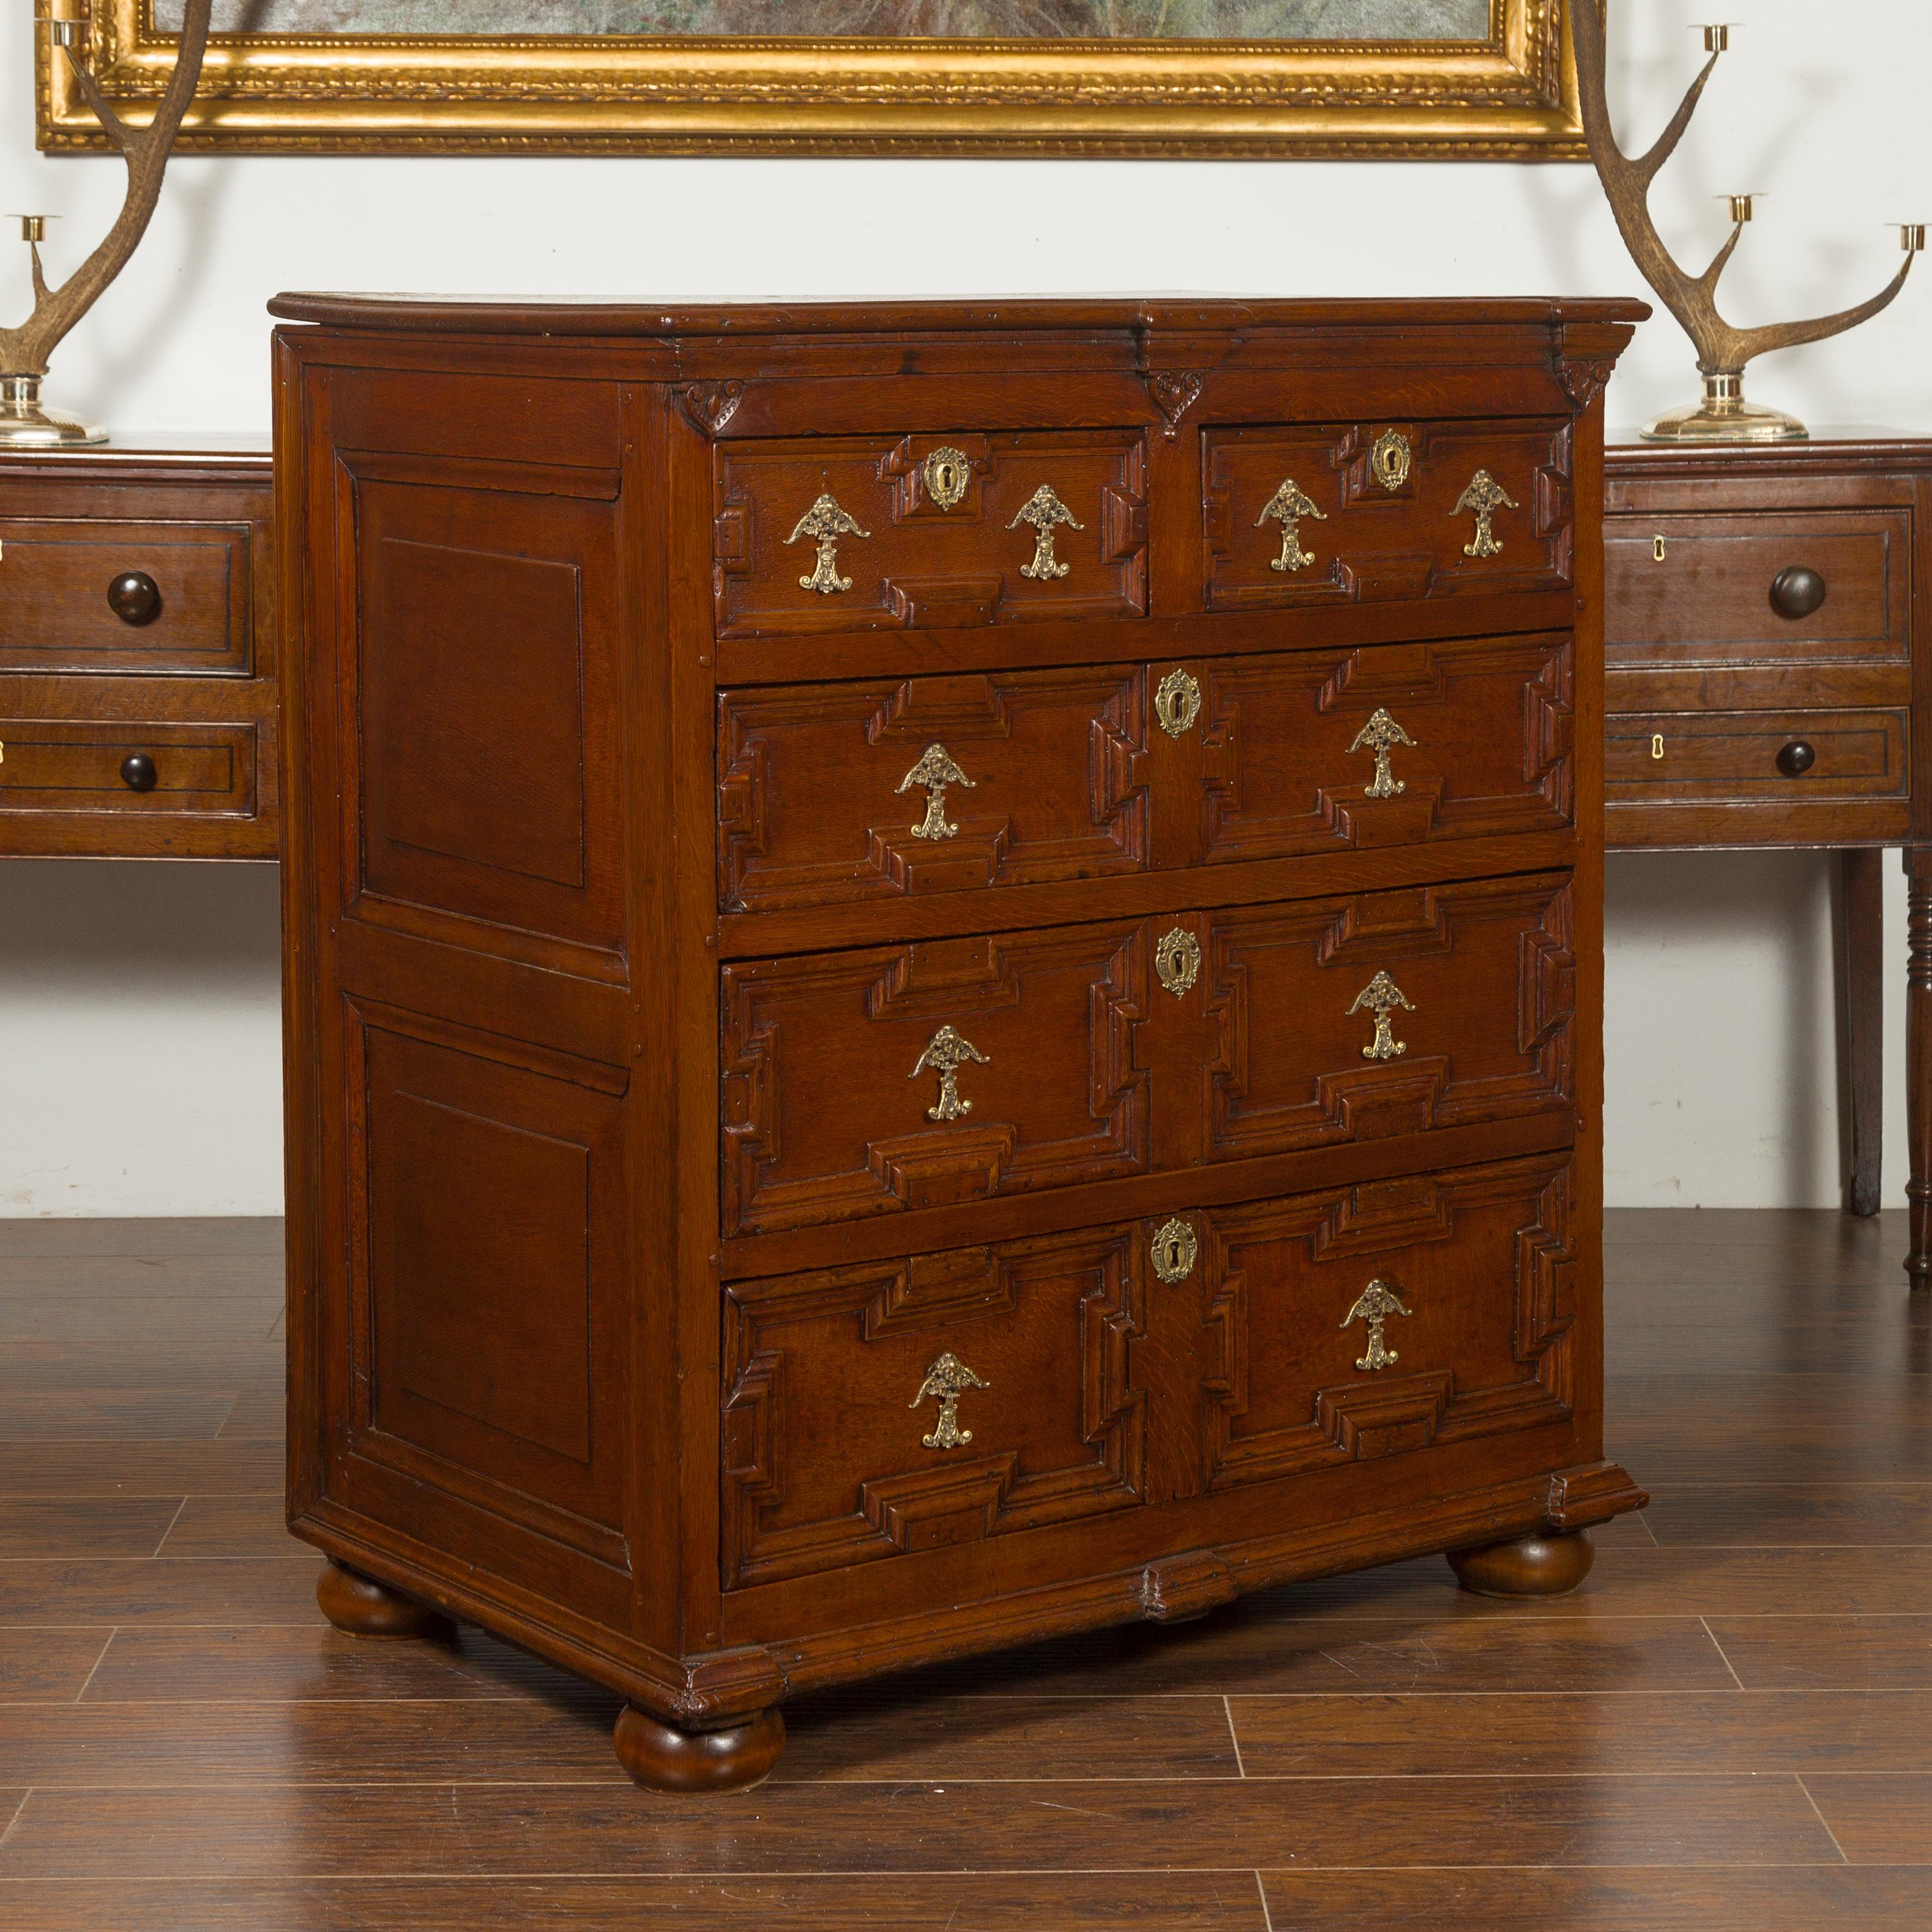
(1918,1058)
(1858,910)
(662,1758)
(1546,1563)
(363,1607)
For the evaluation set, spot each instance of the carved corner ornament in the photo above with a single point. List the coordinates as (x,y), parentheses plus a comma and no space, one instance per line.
(946,1380)
(712,405)
(1175,392)
(1373,1306)
(1583,380)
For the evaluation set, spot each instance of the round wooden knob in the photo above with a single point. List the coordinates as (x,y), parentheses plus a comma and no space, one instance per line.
(1796,759)
(137,772)
(1797,592)
(135,598)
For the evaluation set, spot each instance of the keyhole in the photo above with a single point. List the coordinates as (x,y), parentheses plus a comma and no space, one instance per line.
(1657,549)
(1656,745)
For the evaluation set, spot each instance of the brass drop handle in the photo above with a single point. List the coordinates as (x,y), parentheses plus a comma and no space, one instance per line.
(135,598)
(137,772)
(1797,592)
(1796,758)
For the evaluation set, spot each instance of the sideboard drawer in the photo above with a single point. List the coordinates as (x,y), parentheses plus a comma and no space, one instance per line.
(1800,586)
(1307,513)
(105,596)
(940,531)
(56,766)
(833,793)
(916,1403)
(1728,756)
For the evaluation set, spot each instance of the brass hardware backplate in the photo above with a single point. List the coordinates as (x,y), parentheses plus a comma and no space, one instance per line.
(1045,512)
(946,473)
(1483,497)
(1174,1249)
(1390,459)
(1177,961)
(1287,506)
(1177,703)
(1373,1306)
(947,1379)
(1384,999)
(1380,735)
(945,1052)
(825,522)
(936,770)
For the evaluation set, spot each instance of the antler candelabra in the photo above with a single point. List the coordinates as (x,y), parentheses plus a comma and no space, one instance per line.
(24,423)
(1724,415)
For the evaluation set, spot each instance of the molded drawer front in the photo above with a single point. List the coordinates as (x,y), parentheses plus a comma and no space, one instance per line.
(1662,757)
(1309,513)
(846,533)
(1382,1320)
(55,613)
(1682,590)
(864,1083)
(57,765)
(871,1411)
(834,793)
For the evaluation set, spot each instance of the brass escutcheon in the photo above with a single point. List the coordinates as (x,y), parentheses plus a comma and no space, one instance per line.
(1287,506)
(1177,703)
(1173,1250)
(947,1379)
(935,771)
(825,522)
(1045,512)
(1384,999)
(1380,735)
(945,1052)
(1657,744)
(1483,497)
(1657,549)
(1177,961)
(1389,459)
(1373,1306)
(947,472)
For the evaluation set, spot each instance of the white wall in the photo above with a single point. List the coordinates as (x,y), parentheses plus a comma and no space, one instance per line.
(137,1053)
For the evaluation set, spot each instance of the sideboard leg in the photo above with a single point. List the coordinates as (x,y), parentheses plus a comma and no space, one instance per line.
(1859,914)
(661,1757)
(1918,1058)
(1547,1563)
(363,1607)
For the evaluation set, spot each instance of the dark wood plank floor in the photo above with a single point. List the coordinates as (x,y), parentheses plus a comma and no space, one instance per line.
(1730,1728)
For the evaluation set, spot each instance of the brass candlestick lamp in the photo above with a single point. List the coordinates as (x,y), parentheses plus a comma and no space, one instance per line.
(25,423)
(1723,415)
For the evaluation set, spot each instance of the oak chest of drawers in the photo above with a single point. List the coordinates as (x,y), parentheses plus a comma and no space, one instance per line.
(944,971)
(137,655)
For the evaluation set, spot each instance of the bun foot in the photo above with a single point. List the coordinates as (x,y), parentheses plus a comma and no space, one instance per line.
(1550,1563)
(661,1757)
(357,1604)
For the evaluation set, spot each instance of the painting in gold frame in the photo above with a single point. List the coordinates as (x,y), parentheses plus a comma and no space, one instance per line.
(1476,80)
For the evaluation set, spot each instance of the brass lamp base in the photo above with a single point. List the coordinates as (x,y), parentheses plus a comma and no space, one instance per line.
(25,424)
(1724,416)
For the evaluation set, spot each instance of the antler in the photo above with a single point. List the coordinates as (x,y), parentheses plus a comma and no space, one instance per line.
(24,351)
(1692,299)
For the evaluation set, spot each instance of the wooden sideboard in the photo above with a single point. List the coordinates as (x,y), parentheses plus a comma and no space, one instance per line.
(1768,640)
(137,654)
(944,971)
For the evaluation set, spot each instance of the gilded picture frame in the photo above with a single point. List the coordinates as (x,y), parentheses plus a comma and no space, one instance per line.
(1510,95)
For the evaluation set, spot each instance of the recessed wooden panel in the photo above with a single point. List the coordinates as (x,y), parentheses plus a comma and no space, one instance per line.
(826,795)
(910,561)
(55,614)
(1657,757)
(1481,1027)
(1482,1263)
(1682,589)
(834,1451)
(1365,542)
(483,720)
(828,1113)
(64,766)
(493,1198)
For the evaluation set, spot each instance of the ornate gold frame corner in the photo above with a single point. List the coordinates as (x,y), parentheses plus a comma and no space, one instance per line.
(1510,97)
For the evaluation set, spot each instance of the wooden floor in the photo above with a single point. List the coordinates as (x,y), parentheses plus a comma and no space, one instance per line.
(1729,1728)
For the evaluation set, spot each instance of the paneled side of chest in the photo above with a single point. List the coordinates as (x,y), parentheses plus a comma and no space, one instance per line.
(137,656)
(967,991)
